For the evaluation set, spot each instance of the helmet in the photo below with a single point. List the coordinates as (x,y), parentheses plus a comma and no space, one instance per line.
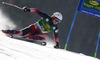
(58,15)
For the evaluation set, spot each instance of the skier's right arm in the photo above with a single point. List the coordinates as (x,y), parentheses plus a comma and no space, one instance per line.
(34,10)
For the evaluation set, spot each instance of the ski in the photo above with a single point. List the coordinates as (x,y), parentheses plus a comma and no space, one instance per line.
(40,42)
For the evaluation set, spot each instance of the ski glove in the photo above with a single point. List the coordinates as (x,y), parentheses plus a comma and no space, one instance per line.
(25,9)
(57,45)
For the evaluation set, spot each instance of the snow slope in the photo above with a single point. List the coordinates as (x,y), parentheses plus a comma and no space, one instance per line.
(14,49)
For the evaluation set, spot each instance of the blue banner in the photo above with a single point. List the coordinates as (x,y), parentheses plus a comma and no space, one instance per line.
(90,7)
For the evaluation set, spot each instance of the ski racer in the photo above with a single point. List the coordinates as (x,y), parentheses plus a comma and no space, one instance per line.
(40,29)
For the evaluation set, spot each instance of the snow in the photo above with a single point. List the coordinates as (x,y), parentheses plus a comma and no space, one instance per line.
(14,49)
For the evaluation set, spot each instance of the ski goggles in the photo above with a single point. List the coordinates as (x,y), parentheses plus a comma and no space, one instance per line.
(57,20)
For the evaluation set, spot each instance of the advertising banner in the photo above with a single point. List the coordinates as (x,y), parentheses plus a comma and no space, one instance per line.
(90,7)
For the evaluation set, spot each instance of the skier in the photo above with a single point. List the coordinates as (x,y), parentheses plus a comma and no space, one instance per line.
(40,29)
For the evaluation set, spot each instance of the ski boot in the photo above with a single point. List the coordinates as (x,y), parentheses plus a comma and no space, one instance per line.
(10,32)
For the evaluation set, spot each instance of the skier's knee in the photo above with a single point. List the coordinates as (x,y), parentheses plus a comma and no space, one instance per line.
(19,33)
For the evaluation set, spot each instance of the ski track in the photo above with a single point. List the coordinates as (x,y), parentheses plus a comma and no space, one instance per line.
(13,49)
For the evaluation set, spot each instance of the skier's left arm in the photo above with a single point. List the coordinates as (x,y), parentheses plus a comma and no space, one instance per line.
(56,39)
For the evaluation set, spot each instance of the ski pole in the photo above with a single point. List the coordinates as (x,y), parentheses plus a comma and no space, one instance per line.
(12,5)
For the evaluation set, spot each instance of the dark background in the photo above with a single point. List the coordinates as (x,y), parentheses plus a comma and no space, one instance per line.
(85,31)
